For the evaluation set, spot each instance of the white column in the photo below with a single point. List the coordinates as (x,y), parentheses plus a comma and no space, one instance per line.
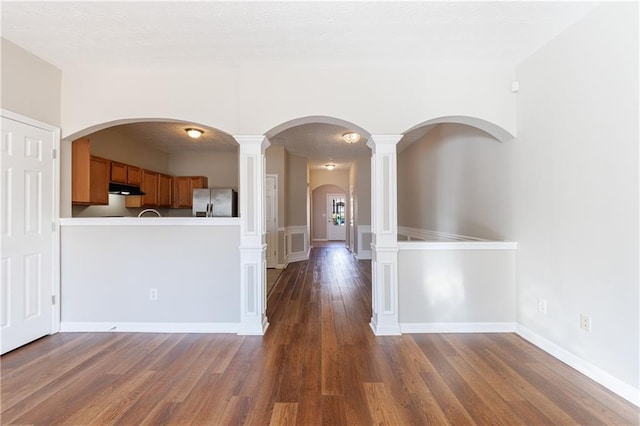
(384,227)
(253,297)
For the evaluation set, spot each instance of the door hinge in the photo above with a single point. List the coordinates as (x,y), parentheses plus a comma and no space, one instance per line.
(53,300)
(53,154)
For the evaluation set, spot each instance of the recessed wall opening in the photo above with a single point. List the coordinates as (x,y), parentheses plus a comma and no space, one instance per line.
(157,158)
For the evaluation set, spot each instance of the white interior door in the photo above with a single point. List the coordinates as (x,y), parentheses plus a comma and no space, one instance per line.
(336,217)
(27,194)
(271,219)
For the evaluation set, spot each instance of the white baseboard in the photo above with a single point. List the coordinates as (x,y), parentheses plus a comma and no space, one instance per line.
(297,257)
(458,327)
(614,384)
(364,255)
(149,327)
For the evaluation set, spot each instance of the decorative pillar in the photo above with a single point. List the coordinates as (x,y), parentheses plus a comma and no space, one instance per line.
(384,227)
(253,249)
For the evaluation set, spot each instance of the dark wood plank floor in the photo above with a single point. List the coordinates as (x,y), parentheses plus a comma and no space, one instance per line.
(319,363)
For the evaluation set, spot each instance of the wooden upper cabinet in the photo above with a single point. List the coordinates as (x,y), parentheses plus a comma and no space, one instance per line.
(149,185)
(89,175)
(118,172)
(134,175)
(183,187)
(125,173)
(164,190)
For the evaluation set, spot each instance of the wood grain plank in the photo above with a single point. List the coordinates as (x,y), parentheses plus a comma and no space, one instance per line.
(284,414)
(318,363)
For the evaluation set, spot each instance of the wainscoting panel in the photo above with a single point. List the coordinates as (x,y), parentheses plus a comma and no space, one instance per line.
(297,243)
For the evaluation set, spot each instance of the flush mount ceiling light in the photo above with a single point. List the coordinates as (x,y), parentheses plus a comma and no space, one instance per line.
(351,137)
(194,133)
(330,166)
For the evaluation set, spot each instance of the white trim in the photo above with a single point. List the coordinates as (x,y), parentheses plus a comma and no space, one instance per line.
(426,234)
(451,241)
(150,221)
(457,245)
(610,382)
(363,254)
(458,327)
(320,239)
(150,327)
(274,208)
(55,217)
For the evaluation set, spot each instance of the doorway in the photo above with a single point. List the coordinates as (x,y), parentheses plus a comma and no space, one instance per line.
(336,217)
(28,215)
(271,219)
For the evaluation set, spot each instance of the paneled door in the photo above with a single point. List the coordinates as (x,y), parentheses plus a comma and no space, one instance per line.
(271,219)
(336,216)
(27,191)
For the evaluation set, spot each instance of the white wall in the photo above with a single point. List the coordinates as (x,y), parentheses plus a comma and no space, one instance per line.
(30,86)
(453,180)
(106,273)
(296,190)
(575,190)
(360,180)
(220,168)
(456,286)
(241,100)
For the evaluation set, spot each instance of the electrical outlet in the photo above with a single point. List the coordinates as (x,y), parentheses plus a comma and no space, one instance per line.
(153,294)
(585,322)
(542,305)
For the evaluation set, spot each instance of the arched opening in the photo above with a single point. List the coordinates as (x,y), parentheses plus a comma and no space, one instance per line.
(450,180)
(158,157)
(300,151)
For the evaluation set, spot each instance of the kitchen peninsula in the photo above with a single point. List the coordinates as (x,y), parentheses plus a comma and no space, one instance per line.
(150,274)
(174,273)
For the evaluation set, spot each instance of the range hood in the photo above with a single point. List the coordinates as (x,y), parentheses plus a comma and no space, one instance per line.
(122,189)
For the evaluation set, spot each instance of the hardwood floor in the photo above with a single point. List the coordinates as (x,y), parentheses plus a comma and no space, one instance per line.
(319,363)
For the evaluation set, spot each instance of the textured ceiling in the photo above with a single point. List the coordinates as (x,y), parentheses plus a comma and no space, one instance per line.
(171,137)
(321,144)
(208,33)
(78,34)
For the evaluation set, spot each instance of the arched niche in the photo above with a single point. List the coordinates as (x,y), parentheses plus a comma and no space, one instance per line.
(420,130)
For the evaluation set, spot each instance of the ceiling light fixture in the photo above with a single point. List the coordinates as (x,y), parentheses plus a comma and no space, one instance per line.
(330,166)
(351,137)
(194,133)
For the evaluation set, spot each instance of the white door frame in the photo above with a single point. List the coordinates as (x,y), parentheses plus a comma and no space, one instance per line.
(55,187)
(328,223)
(272,261)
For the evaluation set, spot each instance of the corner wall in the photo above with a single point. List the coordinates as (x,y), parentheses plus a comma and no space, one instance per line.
(30,86)
(575,195)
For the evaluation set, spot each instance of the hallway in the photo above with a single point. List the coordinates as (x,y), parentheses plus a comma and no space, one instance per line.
(319,363)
